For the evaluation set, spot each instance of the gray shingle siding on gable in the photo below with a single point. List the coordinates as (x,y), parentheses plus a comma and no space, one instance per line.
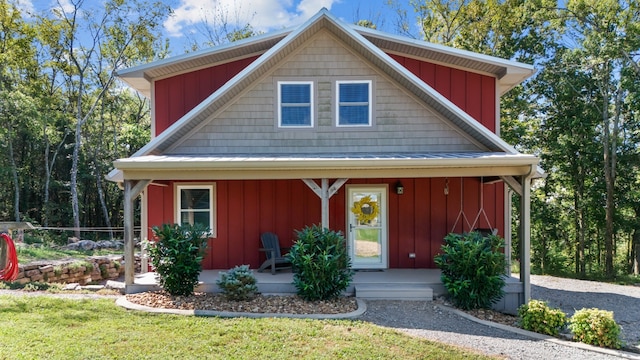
(248,124)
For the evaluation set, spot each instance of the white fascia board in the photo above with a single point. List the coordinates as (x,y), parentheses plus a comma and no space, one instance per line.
(220,163)
(115,175)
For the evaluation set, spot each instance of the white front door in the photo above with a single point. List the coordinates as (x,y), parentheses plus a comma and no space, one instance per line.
(367,226)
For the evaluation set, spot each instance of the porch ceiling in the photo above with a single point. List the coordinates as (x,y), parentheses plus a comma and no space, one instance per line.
(239,167)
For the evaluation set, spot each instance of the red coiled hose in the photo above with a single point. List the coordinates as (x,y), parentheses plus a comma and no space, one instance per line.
(10,271)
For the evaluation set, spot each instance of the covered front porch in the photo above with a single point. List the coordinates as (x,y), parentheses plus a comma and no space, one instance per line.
(440,178)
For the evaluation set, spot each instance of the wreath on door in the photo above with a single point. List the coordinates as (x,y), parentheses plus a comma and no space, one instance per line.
(366,209)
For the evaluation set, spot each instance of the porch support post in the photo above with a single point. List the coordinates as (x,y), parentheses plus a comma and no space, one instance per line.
(325,192)
(525,237)
(144,225)
(324,200)
(131,191)
(508,241)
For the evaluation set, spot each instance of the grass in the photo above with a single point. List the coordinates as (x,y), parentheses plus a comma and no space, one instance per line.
(52,328)
(28,254)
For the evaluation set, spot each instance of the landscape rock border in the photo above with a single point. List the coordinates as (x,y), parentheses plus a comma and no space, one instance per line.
(123,302)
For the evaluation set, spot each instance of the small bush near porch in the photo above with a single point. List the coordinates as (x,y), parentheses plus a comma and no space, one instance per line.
(177,256)
(320,263)
(473,269)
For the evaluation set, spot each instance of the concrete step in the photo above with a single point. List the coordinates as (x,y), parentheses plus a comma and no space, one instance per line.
(394,292)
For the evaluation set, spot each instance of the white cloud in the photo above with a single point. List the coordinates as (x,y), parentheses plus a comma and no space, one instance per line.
(308,8)
(66,5)
(263,15)
(25,6)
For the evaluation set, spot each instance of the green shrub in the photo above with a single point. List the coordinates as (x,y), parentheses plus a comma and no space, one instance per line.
(30,240)
(595,327)
(473,269)
(320,263)
(36,286)
(238,284)
(537,316)
(177,256)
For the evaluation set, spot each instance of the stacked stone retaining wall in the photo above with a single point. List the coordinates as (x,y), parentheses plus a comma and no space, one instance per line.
(82,271)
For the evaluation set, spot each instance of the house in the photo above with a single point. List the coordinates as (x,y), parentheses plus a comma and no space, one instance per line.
(393,141)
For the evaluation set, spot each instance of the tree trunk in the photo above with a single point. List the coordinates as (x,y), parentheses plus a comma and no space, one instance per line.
(608,177)
(74,179)
(16,183)
(580,236)
(47,181)
(579,221)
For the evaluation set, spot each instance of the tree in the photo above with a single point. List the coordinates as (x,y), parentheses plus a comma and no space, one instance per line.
(93,43)
(600,29)
(16,104)
(568,141)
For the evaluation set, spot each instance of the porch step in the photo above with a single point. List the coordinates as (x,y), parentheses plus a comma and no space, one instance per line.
(394,292)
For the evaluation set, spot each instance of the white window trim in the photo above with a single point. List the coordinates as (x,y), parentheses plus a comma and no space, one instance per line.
(370,103)
(212,204)
(311,104)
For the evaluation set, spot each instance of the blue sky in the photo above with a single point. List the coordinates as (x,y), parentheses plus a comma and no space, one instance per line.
(264,15)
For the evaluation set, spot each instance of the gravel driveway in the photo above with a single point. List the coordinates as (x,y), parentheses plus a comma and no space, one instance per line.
(426,320)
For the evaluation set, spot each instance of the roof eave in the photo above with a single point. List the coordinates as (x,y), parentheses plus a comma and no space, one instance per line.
(137,77)
(244,169)
(244,163)
(511,74)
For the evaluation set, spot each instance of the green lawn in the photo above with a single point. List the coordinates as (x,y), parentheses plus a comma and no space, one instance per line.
(48,328)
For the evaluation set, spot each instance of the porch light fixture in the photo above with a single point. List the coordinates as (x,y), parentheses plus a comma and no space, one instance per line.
(399,188)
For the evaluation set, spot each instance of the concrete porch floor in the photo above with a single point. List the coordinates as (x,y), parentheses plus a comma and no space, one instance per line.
(282,281)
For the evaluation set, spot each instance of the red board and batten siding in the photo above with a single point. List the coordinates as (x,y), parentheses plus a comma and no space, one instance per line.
(418,220)
(177,95)
(473,93)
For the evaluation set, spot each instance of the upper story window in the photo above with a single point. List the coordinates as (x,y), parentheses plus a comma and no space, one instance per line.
(195,204)
(295,104)
(353,103)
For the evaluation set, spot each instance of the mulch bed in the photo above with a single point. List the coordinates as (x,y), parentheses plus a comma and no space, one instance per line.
(271,304)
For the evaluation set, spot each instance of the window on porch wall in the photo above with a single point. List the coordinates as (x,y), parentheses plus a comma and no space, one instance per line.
(196,206)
